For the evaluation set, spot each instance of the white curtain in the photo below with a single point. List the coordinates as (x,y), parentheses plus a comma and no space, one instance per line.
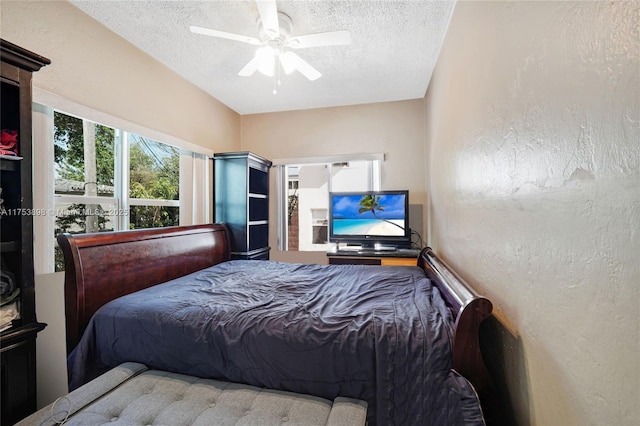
(43,188)
(195,188)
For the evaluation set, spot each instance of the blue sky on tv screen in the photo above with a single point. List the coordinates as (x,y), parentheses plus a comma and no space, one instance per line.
(347,206)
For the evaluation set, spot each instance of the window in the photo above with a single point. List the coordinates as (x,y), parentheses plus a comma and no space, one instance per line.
(154,170)
(84,154)
(108,179)
(142,177)
(303,213)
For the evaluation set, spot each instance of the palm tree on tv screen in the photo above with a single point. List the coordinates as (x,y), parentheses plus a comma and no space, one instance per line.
(371,203)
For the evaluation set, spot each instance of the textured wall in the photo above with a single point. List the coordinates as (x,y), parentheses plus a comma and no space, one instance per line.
(533,138)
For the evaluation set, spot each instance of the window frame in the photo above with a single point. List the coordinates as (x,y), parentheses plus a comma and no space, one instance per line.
(282,187)
(194,159)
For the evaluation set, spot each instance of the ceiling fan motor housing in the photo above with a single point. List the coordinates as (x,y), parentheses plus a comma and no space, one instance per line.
(275,41)
(286,25)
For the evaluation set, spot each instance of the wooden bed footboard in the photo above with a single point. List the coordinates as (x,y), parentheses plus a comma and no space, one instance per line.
(469,310)
(100,267)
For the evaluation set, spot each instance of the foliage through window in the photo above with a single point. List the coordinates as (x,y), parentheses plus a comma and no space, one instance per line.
(90,179)
(154,175)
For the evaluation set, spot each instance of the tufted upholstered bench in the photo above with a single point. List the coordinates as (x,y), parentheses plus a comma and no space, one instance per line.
(131,394)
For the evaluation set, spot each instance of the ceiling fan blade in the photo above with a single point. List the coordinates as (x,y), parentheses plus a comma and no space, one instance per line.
(250,68)
(222,34)
(331,38)
(269,16)
(291,61)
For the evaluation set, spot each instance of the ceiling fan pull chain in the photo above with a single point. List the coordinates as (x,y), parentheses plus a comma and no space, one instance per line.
(275,91)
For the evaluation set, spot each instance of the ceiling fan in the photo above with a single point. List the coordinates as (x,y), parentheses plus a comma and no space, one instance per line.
(275,40)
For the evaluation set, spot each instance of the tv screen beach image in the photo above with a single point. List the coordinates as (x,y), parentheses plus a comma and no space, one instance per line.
(377,215)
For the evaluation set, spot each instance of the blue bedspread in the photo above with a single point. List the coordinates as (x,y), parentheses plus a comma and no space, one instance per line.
(381,334)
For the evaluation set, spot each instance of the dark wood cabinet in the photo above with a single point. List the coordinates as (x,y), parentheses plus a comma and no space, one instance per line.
(241,194)
(400,257)
(17,338)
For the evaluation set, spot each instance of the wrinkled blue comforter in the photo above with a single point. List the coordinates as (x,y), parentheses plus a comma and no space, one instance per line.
(380,334)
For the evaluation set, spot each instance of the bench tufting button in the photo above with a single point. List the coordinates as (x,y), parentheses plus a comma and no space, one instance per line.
(213,404)
(114,419)
(285,419)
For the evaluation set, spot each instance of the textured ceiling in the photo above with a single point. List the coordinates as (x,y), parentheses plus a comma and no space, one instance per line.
(394,48)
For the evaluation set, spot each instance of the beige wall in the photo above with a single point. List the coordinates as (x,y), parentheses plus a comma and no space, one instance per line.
(95,68)
(533,175)
(532,118)
(393,128)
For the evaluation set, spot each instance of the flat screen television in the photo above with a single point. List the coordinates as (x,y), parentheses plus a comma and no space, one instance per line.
(371,219)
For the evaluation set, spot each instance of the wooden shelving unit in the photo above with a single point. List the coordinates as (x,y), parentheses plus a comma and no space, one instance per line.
(241,194)
(18,342)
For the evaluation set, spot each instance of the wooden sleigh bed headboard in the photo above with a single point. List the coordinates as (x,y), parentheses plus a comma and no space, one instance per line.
(101,267)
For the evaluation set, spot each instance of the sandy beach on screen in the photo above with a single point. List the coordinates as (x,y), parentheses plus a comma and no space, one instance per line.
(384,228)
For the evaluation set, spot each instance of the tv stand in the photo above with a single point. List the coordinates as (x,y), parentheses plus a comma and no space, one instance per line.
(378,247)
(352,255)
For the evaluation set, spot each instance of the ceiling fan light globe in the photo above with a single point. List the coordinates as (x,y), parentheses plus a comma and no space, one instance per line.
(288,63)
(266,60)
(266,70)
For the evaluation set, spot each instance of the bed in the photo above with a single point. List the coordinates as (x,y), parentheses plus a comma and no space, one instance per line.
(403,339)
